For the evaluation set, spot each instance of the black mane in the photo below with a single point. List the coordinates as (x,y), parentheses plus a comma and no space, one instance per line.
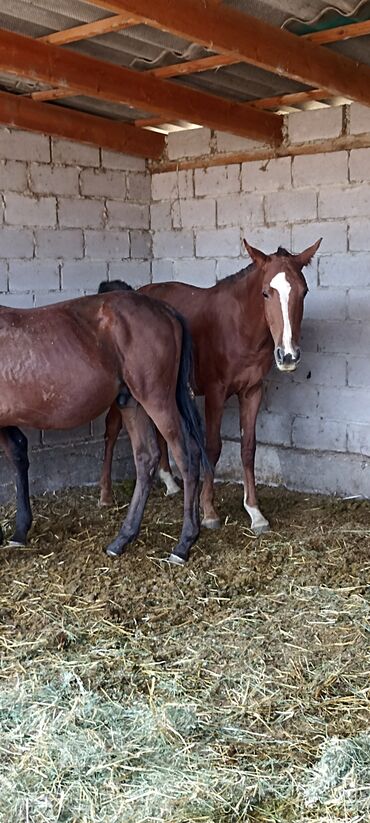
(113,285)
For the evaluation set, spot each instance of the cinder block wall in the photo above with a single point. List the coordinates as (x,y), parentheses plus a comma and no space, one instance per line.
(314,427)
(70,216)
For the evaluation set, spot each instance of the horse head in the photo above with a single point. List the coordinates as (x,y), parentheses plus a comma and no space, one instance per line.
(284,288)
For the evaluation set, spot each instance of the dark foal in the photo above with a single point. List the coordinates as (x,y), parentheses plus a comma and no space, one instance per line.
(63,365)
(238,327)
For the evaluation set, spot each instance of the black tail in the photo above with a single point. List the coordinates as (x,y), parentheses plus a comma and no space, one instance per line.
(185,401)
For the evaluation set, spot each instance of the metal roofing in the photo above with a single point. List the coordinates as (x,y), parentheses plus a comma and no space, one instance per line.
(143,48)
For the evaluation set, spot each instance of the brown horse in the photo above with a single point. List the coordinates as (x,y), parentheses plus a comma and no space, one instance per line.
(237,326)
(63,365)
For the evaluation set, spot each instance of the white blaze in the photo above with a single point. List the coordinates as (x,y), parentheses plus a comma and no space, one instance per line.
(280,283)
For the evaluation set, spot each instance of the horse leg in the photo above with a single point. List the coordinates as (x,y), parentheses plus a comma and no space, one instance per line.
(144,444)
(113,426)
(249,403)
(15,446)
(214,406)
(164,472)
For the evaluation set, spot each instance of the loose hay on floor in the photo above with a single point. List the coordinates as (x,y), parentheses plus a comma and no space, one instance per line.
(235,689)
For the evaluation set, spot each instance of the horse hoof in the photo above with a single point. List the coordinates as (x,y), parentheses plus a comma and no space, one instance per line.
(102,504)
(15,544)
(211,523)
(111,551)
(171,492)
(176,560)
(257,530)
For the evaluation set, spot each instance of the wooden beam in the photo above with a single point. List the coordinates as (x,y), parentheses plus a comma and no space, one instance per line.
(215,61)
(23,113)
(250,40)
(289,99)
(339,33)
(24,57)
(84,32)
(343,143)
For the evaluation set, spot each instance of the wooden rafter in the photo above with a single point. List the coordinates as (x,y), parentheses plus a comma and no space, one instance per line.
(254,41)
(75,125)
(87,76)
(87,30)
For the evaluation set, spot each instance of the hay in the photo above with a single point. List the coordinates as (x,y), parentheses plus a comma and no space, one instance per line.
(138,693)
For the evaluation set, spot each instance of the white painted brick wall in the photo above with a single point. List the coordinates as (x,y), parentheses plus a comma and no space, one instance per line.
(314,424)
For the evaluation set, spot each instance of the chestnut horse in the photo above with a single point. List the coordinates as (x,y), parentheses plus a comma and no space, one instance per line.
(238,326)
(63,365)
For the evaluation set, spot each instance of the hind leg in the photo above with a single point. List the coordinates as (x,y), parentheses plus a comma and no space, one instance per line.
(142,434)
(113,426)
(164,471)
(15,446)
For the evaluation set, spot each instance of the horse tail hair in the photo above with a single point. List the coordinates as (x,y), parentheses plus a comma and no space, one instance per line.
(113,285)
(191,419)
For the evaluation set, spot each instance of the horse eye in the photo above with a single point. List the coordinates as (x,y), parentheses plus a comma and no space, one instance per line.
(265,294)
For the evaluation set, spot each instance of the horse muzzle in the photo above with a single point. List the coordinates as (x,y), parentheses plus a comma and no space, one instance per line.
(287,361)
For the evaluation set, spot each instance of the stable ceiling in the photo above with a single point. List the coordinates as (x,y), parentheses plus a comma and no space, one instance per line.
(118,72)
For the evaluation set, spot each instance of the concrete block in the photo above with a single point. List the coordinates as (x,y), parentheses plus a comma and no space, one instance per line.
(359,235)
(139,187)
(359,371)
(188,143)
(321,370)
(318,434)
(284,206)
(316,124)
(345,270)
(333,233)
(103,183)
(226,266)
(359,165)
(17,300)
(13,175)
(141,244)
(349,201)
(274,428)
(187,214)
(197,272)
(160,215)
(218,242)
(230,426)
(284,397)
(67,435)
(135,272)
(217,180)
(349,404)
(320,169)
(358,304)
(32,275)
(325,303)
(47,298)
(63,243)
(24,145)
(106,245)
(22,210)
(359,118)
(16,242)
(3,278)
(240,210)
(80,212)
(337,337)
(74,154)
(125,162)
(267,238)
(162,271)
(267,175)
(172,184)
(48,179)
(172,244)
(82,274)
(127,215)
(358,438)
(227,142)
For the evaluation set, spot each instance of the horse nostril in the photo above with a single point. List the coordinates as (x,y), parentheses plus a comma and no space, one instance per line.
(279,354)
(298,353)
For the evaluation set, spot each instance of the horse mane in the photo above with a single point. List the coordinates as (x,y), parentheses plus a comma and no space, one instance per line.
(113,285)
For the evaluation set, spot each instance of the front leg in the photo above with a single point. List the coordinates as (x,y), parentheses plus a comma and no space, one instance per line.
(249,403)
(15,446)
(214,406)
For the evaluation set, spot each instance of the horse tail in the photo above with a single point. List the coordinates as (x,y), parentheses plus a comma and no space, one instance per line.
(191,419)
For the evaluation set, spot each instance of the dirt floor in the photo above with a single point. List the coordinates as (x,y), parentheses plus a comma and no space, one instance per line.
(236,688)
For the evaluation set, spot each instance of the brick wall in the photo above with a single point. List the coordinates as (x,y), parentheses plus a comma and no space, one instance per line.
(70,216)
(314,427)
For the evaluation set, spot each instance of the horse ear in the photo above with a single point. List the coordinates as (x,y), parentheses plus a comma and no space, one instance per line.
(305,257)
(257,256)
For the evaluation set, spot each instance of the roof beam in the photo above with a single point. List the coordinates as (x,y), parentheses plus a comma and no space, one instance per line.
(24,57)
(254,41)
(84,32)
(74,125)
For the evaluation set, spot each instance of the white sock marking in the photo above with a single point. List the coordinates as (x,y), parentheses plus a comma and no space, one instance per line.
(168,480)
(280,283)
(258,521)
